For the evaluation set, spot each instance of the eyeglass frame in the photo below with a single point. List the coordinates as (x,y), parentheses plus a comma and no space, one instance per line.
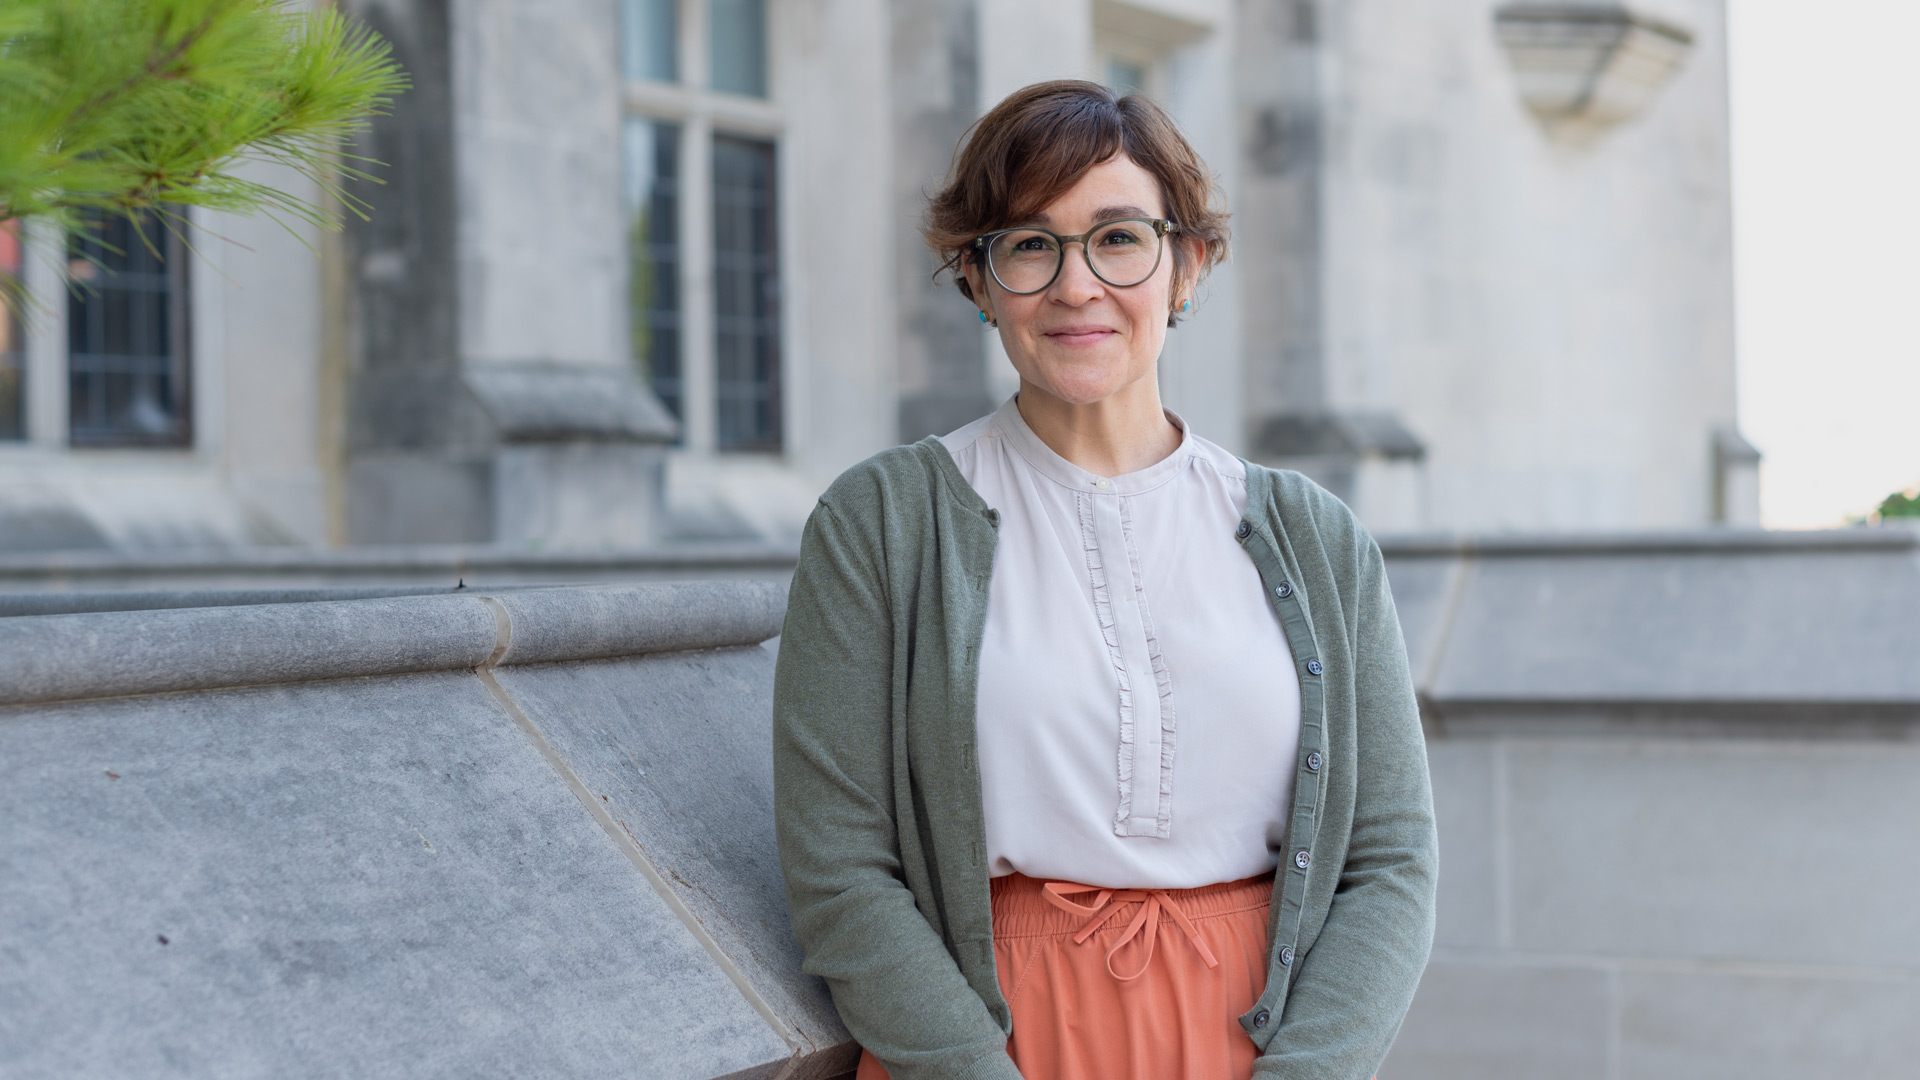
(1161,228)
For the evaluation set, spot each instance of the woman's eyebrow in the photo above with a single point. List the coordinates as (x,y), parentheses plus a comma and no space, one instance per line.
(1105,213)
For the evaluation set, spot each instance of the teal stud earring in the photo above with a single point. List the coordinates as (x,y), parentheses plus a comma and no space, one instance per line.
(983,316)
(1186,306)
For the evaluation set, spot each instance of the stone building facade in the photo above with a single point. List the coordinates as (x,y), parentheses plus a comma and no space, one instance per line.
(648,269)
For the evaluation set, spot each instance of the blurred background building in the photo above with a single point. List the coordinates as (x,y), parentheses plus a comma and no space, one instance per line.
(644,276)
(649,271)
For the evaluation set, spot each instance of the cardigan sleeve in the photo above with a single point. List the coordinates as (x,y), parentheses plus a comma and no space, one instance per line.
(897,988)
(1353,987)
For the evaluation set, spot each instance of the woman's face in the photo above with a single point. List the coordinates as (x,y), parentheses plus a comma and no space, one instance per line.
(1080,339)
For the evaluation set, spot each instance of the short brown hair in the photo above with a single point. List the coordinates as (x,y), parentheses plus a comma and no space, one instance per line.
(1040,141)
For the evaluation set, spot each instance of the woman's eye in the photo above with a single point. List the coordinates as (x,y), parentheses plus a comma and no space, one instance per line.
(1033,243)
(1121,237)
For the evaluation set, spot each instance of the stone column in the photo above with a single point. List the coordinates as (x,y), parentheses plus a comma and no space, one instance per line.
(1366,456)
(936,91)
(491,395)
(1278,229)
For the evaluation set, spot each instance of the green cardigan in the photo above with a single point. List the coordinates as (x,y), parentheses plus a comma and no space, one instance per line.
(877,802)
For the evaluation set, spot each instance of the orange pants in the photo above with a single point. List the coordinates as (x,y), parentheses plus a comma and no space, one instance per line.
(1129,984)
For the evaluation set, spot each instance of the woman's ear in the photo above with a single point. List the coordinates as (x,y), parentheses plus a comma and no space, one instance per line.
(1186,278)
(1196,253)
(977,286)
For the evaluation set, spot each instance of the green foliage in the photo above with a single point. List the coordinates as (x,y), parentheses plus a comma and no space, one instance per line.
(113,107)
(1900,504)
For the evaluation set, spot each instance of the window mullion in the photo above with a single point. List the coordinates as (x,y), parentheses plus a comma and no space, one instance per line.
(698,409)
(46,369)
(697,284)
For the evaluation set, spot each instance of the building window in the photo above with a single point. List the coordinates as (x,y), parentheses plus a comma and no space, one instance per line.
(13,338)
(701,149)
(737,46)
(1127,75)
(746,295)
(653,246)
(127,336)
(649,34)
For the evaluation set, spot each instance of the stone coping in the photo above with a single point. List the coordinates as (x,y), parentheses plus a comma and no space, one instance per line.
(109,654)
(458,562)
(17,604)
(1718,541)
(412,563)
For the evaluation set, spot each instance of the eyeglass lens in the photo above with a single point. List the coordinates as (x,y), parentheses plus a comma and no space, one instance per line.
(1122,253)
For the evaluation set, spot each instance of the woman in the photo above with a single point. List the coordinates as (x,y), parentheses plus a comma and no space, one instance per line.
(1096,753)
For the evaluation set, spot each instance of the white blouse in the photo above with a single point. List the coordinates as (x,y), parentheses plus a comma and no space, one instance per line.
(1138,711)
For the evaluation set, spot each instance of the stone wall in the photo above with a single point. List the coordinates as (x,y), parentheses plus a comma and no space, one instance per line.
(470,835)
(1677,780)
(526,830)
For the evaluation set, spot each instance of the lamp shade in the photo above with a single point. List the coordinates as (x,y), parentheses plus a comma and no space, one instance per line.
(1587,67)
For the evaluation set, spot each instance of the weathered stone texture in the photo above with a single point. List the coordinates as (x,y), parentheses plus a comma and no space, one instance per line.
(562,869)
(563,864)
(376,878)
(1675,779)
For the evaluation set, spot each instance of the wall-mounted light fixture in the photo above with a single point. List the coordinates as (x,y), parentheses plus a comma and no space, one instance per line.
(1584,67)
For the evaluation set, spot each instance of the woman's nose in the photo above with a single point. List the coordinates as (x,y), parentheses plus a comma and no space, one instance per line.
(1076,283)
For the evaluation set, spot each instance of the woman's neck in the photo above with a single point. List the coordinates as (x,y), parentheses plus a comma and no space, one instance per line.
(1119,434)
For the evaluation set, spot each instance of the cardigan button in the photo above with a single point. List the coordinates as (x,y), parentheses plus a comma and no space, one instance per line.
(1243,530)
(1313,667)
(1286,956)
(1260,1018)
(1301,859)
(1283,590)
(1313,761)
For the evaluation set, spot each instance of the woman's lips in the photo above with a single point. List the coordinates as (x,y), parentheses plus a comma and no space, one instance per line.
(1080,335)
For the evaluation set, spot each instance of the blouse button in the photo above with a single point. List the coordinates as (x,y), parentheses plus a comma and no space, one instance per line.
(1103,483)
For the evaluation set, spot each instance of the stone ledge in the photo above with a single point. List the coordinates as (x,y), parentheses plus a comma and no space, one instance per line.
(110,654)
(85,601)
(1717,541)
(408,563)
(595,623)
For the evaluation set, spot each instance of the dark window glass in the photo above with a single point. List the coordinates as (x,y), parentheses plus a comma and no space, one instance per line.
(127,336)
(746,295)
(13,344)
(653,251)
(737,53)
(1126,76)
(649,30)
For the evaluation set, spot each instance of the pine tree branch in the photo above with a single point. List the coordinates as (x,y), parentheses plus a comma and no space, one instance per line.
(126,106)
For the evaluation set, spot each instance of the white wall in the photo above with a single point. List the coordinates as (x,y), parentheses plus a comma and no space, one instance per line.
(1203,366)
(1670,907)
(1554,321)
(831,83)
(542,239)
(257,337)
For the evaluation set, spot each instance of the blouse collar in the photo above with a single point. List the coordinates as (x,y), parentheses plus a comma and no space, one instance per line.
(1047,463)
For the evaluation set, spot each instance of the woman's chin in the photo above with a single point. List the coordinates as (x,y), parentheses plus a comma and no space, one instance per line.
(1081,392)
(1082,383)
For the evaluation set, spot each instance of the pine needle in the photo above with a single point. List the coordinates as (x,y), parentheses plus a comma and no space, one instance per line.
(116,107)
